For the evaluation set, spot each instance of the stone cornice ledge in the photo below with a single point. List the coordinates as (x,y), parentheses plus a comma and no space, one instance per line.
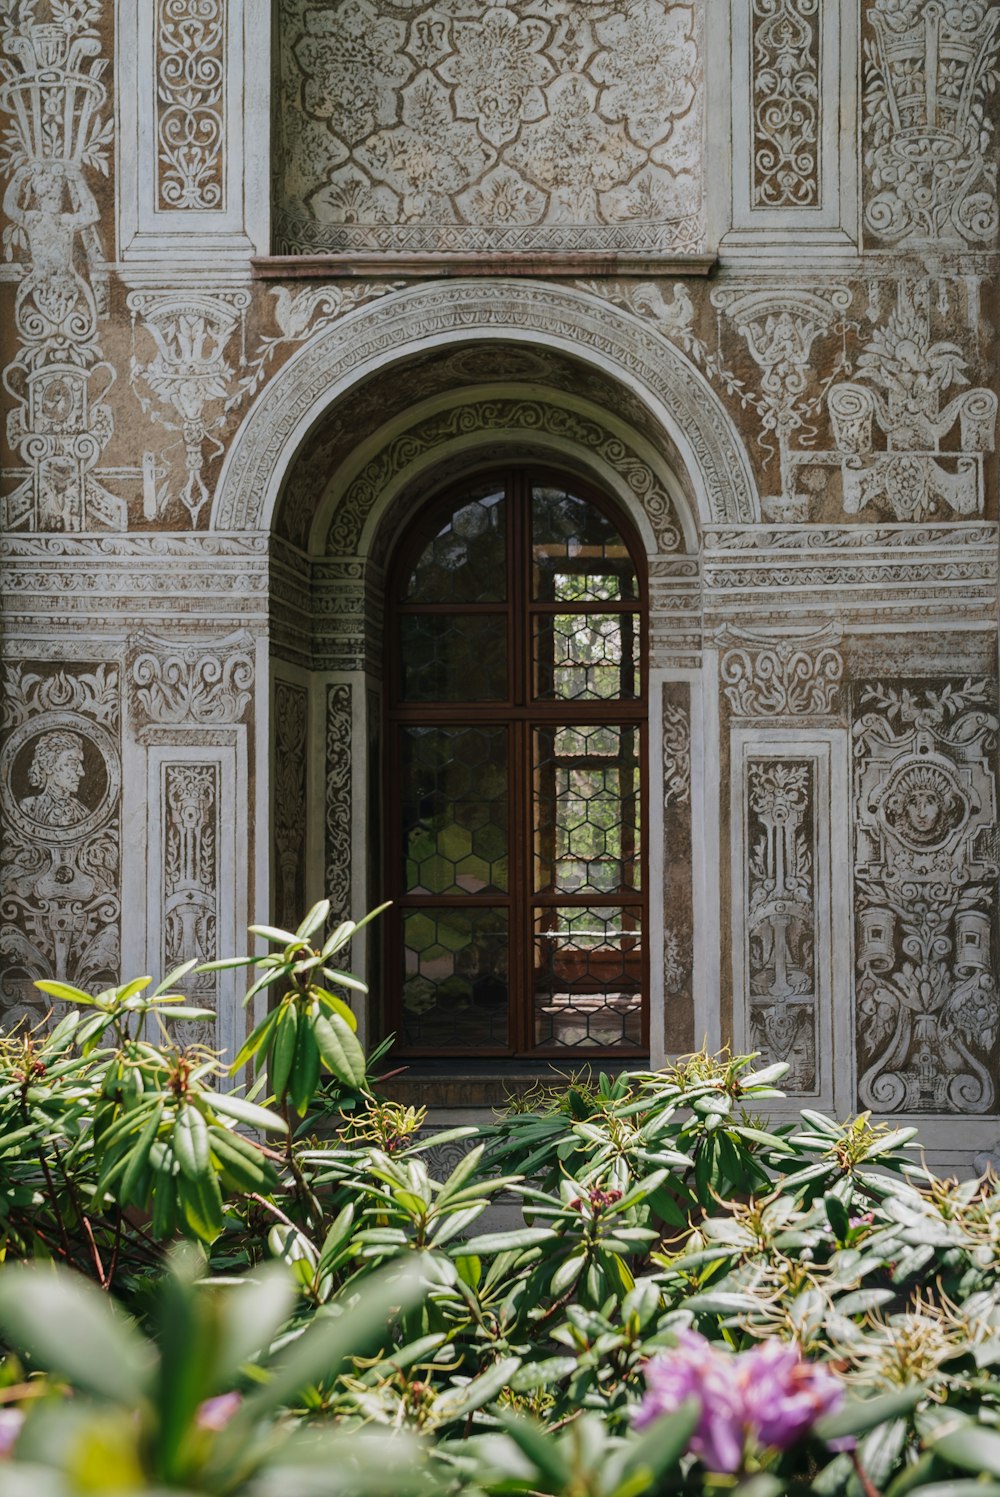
(424,266)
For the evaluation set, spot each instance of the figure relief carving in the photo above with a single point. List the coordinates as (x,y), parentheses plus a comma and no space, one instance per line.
(60,422)
(903,376)
(528,126)
(930,71)
(60,784)
(184,378)
(291,719)
(779,328)
(764,675)
(205,682)
(785,115)
(928,1011)
(337,847)
(780,920)
(190,67)
(191,810)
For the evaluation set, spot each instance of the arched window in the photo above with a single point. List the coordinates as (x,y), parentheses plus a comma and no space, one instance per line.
(516,723)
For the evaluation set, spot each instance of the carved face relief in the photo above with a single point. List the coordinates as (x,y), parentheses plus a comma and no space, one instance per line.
(923,805)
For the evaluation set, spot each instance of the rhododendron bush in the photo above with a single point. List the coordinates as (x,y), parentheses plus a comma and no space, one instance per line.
(220,1287)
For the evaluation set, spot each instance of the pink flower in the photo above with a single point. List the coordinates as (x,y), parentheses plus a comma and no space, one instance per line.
(10,1427)
(784,1395)
(770,1395)
(215,1413)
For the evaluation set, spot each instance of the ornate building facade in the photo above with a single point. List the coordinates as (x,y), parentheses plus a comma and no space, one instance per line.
(274,280)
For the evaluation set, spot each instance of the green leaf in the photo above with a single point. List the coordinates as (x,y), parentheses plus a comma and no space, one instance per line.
(330,1000)
(200,1200)
(341,1052)
(502,1242)
(971,1447)
(255,1040)
(304,1077)
(329,1342)
(545,1453)
(659,1447)
(65,991)
(316,917)
(282,1051)
(272,933)
(139,1158)
(174,977)
(70,1328)
(190,1141)
(458,1403)
(861,1415)
(247,1112)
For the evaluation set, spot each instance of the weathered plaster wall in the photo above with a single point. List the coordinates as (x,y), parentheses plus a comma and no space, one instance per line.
(805,437)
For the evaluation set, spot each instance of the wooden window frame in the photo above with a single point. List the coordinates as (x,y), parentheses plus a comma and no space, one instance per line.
(520,714)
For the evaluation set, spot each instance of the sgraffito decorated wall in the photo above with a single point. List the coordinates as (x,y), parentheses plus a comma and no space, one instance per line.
(270,278)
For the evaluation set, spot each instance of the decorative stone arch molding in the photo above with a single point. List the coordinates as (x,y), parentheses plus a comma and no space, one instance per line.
(421,318)
(492,423)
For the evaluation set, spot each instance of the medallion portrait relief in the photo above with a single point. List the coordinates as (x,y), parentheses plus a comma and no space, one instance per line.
(59,777)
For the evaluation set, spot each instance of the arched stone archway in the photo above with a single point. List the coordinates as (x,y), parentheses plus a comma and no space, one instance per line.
(422,318)
(389,431)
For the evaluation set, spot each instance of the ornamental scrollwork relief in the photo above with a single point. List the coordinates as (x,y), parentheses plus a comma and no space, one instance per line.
(52,90)
(60,830)
(930,73)
(337,844)
(780,916)
(202,682)
(785,113)
(526,126)
(678,874)
(190,105)
(291,720)
(489,416)
(927,1006)
(764,675)
(190,880)
(676,753)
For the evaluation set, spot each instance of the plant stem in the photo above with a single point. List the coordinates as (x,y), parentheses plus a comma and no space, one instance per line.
(867,1485)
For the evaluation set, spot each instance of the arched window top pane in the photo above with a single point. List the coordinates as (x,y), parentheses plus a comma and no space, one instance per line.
(465,559)
(577,554)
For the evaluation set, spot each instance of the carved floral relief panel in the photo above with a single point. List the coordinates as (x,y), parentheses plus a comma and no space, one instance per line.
(785,118)
(60,830)
(927,1007)
(190,104)
(929,122)
(453,125)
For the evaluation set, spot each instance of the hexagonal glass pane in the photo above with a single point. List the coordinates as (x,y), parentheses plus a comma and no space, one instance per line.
(587,810)
(454,801)
(465,561)
(455,986)
(453,657)
(586,656)
(588,977)
(577,554)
